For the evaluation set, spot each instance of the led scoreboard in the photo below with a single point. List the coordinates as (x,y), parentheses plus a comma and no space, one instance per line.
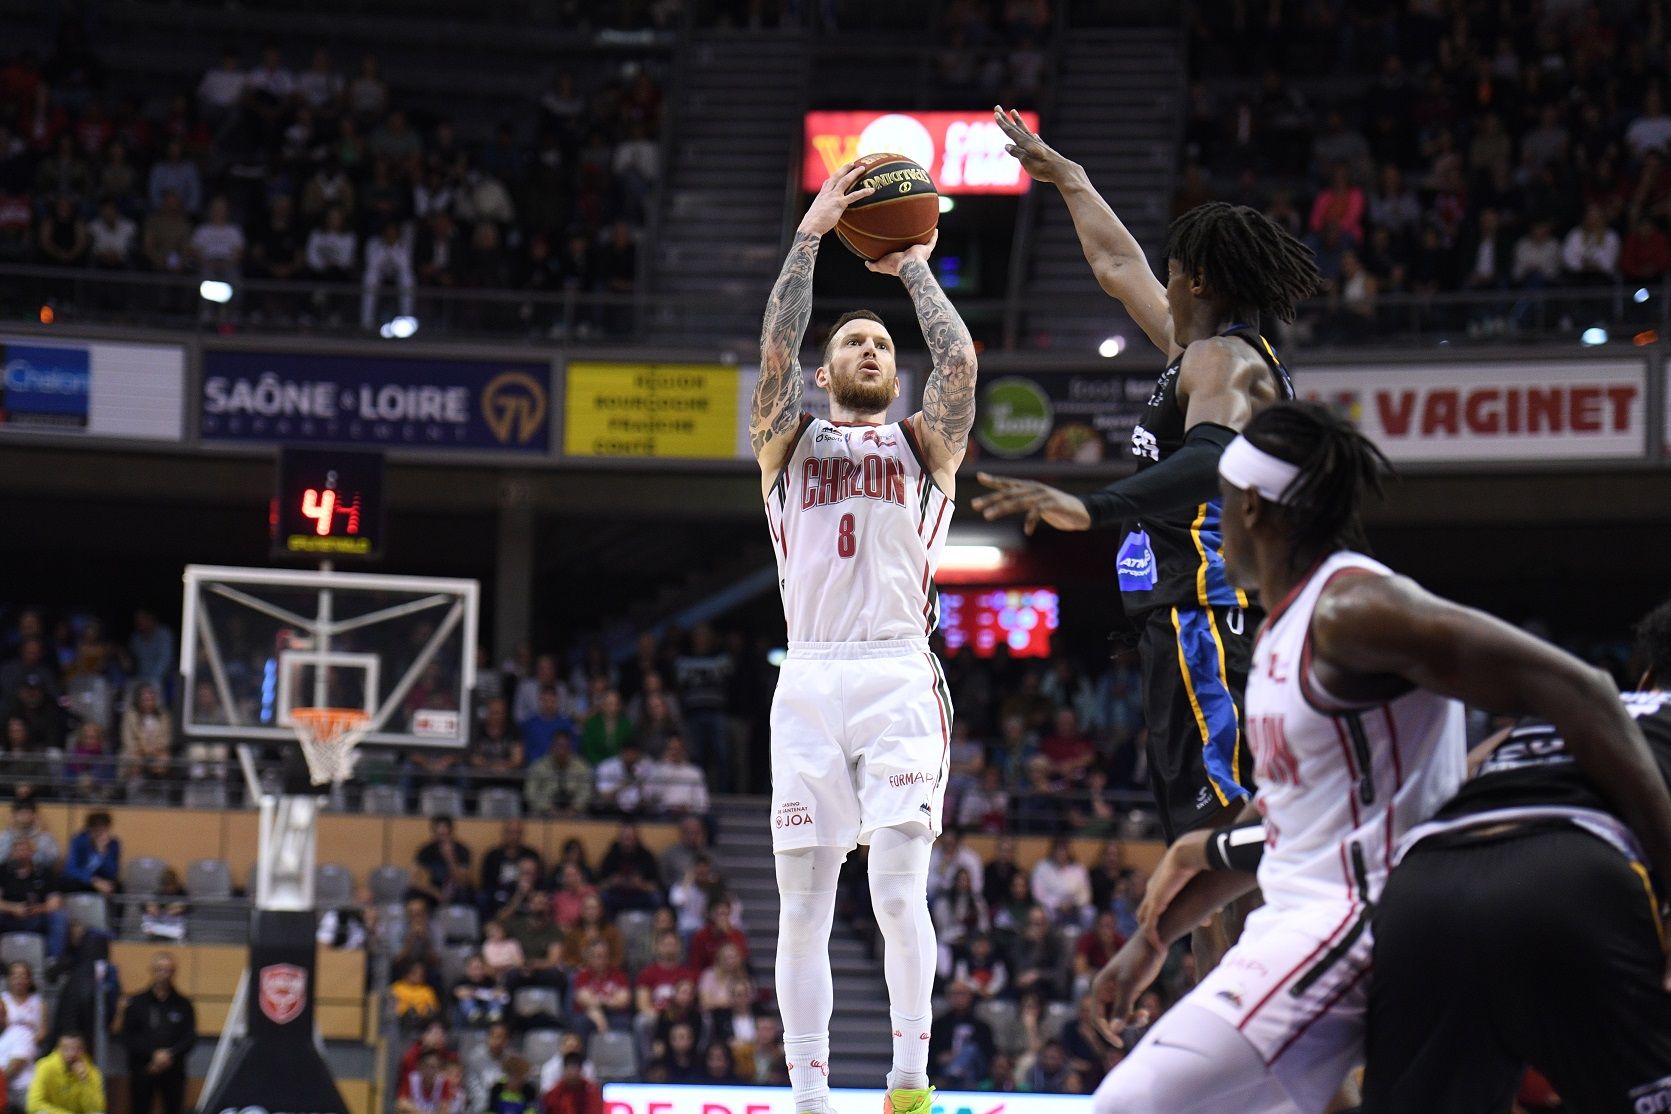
(329,503)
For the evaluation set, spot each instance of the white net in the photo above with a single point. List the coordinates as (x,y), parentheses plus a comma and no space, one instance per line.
(329,737)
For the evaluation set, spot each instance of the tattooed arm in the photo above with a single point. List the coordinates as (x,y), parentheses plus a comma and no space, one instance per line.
(948,411)
(776,413)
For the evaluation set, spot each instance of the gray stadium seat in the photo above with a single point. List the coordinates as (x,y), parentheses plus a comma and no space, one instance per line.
(453,958)
(87,909)
(541,1045)
(1057,1014)
(333,886)
(638,936)
(382,800)
(25,947)
(389,884)
(152,794)
(392,927)
(143,875)
(205,794)
(1006,1025)
(441,800)
(614,1057)
(536,1001)
(472,1047)
(209,878)
(459,924)
(498,804)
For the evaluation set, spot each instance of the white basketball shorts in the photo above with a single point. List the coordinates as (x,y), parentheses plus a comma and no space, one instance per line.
(1296,987)
(860,740)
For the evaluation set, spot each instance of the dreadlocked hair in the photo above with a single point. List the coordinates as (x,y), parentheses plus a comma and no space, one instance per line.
(1653,644)
(1248,259)
(1338,467)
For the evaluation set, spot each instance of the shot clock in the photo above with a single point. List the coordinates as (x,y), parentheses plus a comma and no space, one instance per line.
(329,503)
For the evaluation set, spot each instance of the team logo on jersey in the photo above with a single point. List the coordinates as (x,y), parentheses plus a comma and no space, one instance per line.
(283,992)
(1230,996)
(1144,444)
(792,814)
(882,442)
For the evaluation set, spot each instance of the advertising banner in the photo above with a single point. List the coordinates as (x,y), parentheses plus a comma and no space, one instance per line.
(393,401)
(962,151)
(646,1098)
(1068,417)
(678,411)
(111,390)
(814,400)
(1502,412)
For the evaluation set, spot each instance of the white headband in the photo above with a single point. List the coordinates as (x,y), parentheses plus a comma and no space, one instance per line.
(1246,466)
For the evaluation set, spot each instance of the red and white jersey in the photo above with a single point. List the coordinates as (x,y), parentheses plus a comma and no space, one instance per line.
(857,525)
(1339,783)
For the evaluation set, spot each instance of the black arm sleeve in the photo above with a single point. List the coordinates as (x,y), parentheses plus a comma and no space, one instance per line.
(1187,477)
(1238,848)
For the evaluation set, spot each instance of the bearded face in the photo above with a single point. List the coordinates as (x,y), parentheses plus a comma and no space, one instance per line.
(859,369)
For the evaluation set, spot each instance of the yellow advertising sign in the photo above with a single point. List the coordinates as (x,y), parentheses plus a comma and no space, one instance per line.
(678,411)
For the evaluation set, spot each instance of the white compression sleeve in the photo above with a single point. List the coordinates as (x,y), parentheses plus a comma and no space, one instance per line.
(806,883)
(899,894)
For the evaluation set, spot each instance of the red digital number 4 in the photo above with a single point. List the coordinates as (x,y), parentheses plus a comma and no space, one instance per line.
(320,506)
(846,543)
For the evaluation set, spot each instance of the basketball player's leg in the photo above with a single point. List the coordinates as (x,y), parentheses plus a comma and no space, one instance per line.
(1196,663)
(900,724)
(815,821)
(899,895)
(806,882)
(1191,1062)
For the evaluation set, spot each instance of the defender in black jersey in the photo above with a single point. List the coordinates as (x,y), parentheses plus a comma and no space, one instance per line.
(1226,266)
(1522,926)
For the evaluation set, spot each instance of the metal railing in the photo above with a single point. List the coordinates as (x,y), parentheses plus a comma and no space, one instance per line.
(1567,315)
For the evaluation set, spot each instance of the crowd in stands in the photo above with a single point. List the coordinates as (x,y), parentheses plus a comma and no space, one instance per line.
(1442,146)
(310,170)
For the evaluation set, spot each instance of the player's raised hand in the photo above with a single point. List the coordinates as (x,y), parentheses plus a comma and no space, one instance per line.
(1115,989)
(891,264)
(1039,502)
(833,199)
(1038,158)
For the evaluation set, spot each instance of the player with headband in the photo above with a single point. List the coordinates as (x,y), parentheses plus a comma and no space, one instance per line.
(1354,714)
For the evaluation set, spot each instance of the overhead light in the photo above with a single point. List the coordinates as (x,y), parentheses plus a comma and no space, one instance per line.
(213,290)
(1593,336)
(399,329)
(1640,296)
(947,204)
(971,558)
(1111,347)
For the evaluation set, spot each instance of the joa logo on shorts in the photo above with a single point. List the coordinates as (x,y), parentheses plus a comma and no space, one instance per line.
(513,405)
(792,814)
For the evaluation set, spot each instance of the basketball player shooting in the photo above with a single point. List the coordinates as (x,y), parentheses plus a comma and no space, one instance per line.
(858,509)
(1226,267)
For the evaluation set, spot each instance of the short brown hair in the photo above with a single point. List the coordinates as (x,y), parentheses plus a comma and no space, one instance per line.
(850,315)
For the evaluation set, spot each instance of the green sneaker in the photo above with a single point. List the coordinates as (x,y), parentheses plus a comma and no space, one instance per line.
(903,1101)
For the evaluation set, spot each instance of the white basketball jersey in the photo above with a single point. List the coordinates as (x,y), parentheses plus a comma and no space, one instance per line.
(857,525)
(1339,783)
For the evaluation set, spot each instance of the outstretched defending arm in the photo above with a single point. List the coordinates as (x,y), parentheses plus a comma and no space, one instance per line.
(1115,256)
(948,411)
(776,412)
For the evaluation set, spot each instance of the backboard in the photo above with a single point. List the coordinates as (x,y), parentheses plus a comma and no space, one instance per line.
(256,643)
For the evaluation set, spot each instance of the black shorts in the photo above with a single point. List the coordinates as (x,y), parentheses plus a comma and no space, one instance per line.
(1539,946)
(1195,664)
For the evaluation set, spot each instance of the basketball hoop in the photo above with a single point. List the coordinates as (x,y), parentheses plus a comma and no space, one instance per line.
(328,737)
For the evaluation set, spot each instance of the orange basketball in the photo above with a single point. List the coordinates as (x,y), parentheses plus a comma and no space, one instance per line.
(903,211)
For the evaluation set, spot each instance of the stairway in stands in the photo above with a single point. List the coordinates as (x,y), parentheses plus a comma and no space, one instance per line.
(736,139)
(1119,112)
(860,1048)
